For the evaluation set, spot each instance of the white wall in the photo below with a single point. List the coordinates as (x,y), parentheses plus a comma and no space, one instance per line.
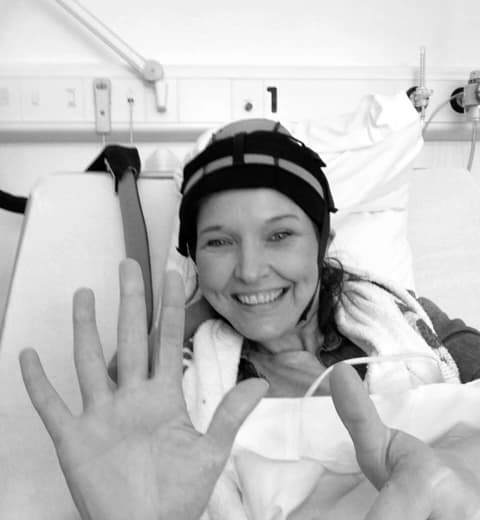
(253,32)
(313,32)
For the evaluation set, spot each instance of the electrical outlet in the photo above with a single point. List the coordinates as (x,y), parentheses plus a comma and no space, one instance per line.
(124,90)
(53,100)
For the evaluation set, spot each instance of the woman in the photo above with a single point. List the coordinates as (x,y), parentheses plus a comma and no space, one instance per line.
(254,218)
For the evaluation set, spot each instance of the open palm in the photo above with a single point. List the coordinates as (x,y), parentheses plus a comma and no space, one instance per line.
(133,452)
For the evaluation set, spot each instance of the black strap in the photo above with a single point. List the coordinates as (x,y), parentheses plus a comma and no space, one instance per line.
(124,164)
(116,159)
(12,202)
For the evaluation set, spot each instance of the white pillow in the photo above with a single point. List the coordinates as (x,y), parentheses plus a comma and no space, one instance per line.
(369,155)
(375,241)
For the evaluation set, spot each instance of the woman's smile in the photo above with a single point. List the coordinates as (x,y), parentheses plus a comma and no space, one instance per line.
(260,298)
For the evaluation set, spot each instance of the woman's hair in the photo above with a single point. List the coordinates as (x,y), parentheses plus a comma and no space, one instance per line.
(331,286)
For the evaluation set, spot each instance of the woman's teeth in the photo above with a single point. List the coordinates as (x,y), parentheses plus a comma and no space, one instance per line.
(259,298)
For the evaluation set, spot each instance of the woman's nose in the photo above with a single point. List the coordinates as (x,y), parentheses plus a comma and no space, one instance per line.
(252,263)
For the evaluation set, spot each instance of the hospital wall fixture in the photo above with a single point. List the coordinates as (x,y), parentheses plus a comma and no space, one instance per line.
(45,102)
(464,100)
(420,95)
(471,103)
(471,96)
(151,71)
(102,93)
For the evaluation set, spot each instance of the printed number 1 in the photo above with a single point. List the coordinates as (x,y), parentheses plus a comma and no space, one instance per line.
(274,99)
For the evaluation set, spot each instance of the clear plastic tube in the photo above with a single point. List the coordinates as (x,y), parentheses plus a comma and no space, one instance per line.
(435,112)
(367,360)
(472,145)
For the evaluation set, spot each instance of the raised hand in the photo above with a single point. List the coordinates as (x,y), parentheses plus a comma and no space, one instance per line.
(415,481)
(133,452)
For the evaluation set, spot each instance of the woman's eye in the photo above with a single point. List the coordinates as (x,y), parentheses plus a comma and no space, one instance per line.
(281,235)
(217,242)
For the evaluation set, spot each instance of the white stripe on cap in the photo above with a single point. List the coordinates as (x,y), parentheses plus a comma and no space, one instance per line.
(253,158)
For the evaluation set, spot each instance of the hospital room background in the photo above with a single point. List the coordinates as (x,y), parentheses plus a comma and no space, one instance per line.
(292,61)
(76,75)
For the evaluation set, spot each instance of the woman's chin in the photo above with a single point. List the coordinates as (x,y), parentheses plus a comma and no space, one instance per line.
(260,334)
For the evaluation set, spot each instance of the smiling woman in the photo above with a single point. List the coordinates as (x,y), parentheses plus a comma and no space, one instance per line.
(255,219)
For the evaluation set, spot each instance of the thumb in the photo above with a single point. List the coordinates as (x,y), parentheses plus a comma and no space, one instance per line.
(358,413)
(234,408)
(398,500)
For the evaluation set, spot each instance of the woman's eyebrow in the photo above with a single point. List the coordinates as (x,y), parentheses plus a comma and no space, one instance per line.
(219,227)
(207,229)
(281,217)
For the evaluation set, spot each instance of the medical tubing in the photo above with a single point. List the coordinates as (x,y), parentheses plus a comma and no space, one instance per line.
(472,145)
(435,112)
(367,360)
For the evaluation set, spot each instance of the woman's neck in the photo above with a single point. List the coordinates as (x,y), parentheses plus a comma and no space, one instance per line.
(290,364)
(305,336)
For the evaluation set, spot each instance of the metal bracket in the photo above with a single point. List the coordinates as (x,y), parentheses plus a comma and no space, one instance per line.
(150,71)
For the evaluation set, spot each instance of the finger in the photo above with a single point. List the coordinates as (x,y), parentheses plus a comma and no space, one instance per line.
(168,348)
(88,353)
(112,368)
(132,326)
(49,405)
(234,408)
(359,415)
(400,499)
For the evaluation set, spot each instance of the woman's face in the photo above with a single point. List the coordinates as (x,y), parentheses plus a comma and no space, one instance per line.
(257,260)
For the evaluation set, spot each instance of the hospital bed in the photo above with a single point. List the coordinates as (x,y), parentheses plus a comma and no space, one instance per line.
(72,237)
